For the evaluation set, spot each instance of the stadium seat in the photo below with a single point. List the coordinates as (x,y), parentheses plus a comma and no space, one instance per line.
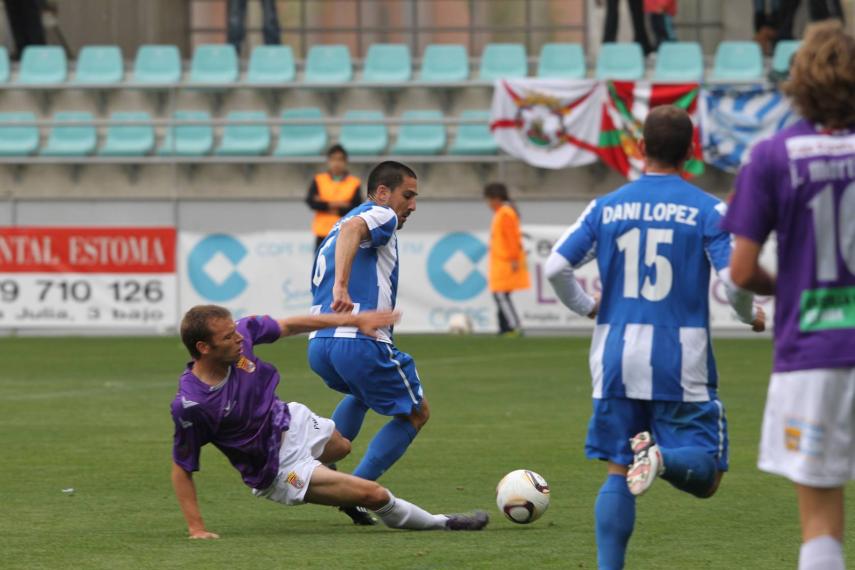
(420,138)
(157,64)
(188,140)
(620,61)
(4,65)
(444,62)
(679,61)
(271,64)
(503,60)
(784,52)
(72,140)
(245,139)
(99,64)
(128,140)
(561,61)
(738,61)
(303,139)
(43,65)
(365,138)
(214,63)
(328,64)
(472,138)
(20,140)
(386,63)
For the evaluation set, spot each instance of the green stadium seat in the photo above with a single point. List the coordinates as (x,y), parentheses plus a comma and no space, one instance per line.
(5,68)
(43,65)
(18,140)
(364,139)
(128,140)
(738,61)
(303,139)
(387,63)
(444,63)
(474,138)
(328,64)
(188,140)
(72,140)
(214,63)
(679,61)
(245,139)
(157,64)
(99,64)
(271,64)
(420,138)
(620,61)
(561,61)
(784,52)
(503,60)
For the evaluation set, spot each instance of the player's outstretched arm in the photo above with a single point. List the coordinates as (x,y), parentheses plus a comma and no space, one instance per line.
(185,491)
(745,269)
(367,322)
(353,232)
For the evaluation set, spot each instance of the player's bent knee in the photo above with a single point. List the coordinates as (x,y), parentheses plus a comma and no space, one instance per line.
(374,496)
(712,490)
(336,449)
(420,416)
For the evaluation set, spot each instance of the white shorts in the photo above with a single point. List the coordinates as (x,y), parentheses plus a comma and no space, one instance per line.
(302,444)
(809,427)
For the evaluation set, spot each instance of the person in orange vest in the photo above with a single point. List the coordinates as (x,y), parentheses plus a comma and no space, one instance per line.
(508,269)
(333,193)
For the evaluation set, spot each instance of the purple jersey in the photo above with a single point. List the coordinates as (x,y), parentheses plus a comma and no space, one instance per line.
(801,184)
(241,416)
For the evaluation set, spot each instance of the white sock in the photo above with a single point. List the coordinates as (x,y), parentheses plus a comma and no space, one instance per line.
(398,513)
(821,553)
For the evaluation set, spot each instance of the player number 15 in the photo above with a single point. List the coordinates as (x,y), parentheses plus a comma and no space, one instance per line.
(629,244)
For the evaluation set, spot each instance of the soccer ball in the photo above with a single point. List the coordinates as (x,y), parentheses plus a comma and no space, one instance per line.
(523,496)
(459,323)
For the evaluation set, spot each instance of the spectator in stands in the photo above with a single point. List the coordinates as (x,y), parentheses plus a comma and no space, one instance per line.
(508,271)
(333,193)
(636,8)
(661,14)
(237,22)
(766,17)
(25,20)
(818,10)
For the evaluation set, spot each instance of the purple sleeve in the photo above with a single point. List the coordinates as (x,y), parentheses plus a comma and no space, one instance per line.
(259,329)
(751,212)
(190,435)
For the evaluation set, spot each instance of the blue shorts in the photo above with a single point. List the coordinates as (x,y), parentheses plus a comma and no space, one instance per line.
(673,424)
(378,374)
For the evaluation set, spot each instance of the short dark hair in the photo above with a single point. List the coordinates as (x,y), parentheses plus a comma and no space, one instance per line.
(496,190)
(390,174)
(194,325)
(336,149)
(668,133)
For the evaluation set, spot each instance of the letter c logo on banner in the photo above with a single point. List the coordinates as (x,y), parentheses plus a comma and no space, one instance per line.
(451,266)
(211,267)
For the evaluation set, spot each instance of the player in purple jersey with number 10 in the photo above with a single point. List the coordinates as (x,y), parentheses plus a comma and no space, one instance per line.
(801,184)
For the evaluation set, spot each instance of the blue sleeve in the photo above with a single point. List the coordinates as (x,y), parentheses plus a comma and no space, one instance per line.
(190,435)
(259,329)
(382,223)
(717,241)
(578,245)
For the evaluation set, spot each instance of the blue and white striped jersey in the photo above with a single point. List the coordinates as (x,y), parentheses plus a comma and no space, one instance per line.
(654,241)
(373,277)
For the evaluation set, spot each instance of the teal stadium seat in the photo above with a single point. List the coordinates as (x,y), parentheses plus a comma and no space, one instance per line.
(561,61)
(188,140)
(271,64)
(474,138)
(328,64)
(71,140)
(157,64)
(99,64)
(679,61)
(738,61)
(245,140)
(214,63)
(364,139)
(444,63)
(620,61)
(18,140)
(387,63)
(784,52)
(503,60)
(128,140)
(304,139)
(43,65)
(420,138)
(5,69)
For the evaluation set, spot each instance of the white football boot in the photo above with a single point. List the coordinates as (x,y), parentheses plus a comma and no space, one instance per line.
(646,465)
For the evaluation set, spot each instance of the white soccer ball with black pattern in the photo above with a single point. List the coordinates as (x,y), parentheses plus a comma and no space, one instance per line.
(459,323)
(523,496)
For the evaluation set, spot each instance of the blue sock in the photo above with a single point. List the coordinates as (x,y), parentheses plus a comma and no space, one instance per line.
(614,512)
(690,469)
(348,417)
(386,448)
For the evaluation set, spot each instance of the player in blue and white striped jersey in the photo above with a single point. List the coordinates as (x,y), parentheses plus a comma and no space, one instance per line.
(656,403)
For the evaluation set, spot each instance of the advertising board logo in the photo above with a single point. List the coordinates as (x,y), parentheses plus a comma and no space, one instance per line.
(452,266)
(212,267)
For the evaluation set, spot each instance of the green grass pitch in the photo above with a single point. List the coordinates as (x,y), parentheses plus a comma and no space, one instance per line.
(93,415)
